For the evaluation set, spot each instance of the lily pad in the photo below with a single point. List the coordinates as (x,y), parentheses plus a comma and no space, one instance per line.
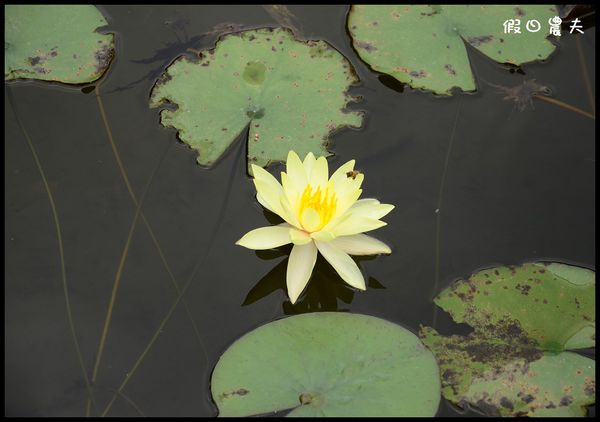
(509,377)
(292,94)
(55,43)
(327,364)
(523,318)
(552,303)
(424,46)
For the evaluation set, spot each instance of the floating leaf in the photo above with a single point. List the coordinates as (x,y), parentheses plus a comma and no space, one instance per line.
(327,364)
(291,93)
(552,303)
(521,316)
(424,46)
(510,377)
(55,43)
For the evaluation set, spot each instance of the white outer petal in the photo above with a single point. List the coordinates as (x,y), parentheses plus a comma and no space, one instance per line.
(270,192)
(355,224)
(300,265)
(322,236)
(299,237)
(345,201)
(287,213)
(262,202)
(295,171)
(361,244)
(291,191)
(371,208)
(341,173)
(266,237)
(343,264)
(320,173)
(308,164)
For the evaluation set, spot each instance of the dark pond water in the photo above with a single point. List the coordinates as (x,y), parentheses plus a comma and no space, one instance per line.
(518,186)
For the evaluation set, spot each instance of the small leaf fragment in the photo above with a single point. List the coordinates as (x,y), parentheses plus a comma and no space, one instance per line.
(56,43)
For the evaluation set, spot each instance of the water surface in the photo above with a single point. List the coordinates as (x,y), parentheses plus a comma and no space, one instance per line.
(518,186)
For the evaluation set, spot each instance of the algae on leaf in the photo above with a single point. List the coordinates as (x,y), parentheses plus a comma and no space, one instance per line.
(55,43)
(551,303)
(292,94)
(424,45)
(515,362)
(504,377)
(327,364)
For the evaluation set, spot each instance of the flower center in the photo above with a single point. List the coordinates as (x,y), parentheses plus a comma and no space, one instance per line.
(316,207)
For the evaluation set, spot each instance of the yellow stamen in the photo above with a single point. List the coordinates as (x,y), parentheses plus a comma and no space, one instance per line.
(316,208)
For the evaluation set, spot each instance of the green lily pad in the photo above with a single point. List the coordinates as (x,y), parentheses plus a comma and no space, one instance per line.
(327,364)
(291,93)
(554,304)
(55,43)
(424,46)
(510,377)
(514,363)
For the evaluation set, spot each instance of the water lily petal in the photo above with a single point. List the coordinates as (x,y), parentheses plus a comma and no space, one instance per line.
(295,171)
(350,183)
(268,188)
(342,263)
(323,236)
(355,224)
(291,190)
(308,163)
(340,174)
(366,201)
(266,237)
(299,237)
(269,195)
(286,212)
(310,219)
(300,265)
(361,244)
(345,199)
(320,173)
(261,174)
(371,208)
(262,202)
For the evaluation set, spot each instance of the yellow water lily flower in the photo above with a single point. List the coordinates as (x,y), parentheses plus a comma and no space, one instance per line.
(321,214)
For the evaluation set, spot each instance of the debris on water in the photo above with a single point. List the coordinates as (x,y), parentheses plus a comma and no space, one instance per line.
(224,28)
(183,45)
(523,94)
(283,16)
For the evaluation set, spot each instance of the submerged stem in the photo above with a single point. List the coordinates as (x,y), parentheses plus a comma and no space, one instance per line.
(61,252)
(139,212)
(586,77)
(438,217)
(160,327)
(565,105)
(119,273)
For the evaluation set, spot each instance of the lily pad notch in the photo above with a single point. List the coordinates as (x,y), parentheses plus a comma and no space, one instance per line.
(291,94)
